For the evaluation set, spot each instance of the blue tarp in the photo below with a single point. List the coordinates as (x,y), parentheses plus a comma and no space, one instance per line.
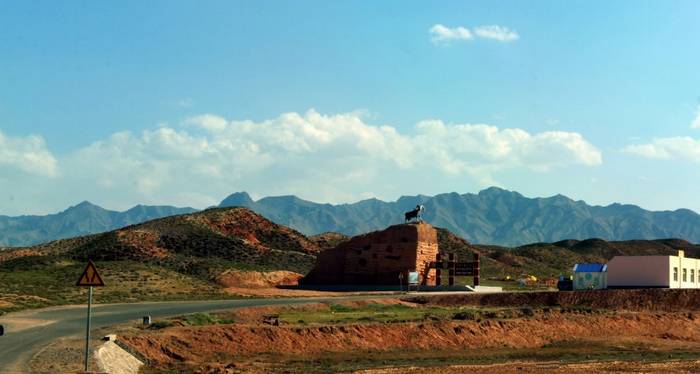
(590,268)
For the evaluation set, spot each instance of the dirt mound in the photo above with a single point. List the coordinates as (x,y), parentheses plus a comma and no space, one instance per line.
(210,232)
(205,344)
(254,229)
(640,300)
(329,240)
(258,279)
(186,242)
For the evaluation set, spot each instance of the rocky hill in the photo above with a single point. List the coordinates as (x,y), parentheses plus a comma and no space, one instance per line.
(204,254)
(552,259)
(235,235)
(179,257)
(493,216)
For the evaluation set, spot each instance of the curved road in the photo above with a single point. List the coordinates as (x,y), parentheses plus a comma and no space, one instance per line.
(26,333)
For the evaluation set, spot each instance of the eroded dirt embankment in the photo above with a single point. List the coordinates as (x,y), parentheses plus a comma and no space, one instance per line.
(670,300)
(202,344)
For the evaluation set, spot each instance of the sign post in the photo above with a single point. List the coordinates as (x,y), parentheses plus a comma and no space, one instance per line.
(455,268)
(90,278)
(412,281)
(87,333)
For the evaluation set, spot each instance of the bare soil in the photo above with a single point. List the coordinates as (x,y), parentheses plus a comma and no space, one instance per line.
(634,337)
(258,279)
(202,344)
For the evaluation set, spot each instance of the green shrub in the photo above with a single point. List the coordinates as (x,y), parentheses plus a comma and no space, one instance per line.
(201,319)
(337,308)
(160,324)
(464,316)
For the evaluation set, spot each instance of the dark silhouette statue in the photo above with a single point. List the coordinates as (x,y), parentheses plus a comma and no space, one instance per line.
(415,213)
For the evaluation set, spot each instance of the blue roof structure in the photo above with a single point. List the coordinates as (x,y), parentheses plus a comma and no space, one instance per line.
(590,268)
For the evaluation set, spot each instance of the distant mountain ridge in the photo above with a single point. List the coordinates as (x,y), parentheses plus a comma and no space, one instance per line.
(493,216)
(82,219)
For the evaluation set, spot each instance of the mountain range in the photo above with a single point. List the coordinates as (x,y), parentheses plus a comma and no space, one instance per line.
(82,219)
(493,216)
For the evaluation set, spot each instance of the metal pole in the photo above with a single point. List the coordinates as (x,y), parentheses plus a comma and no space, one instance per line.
(87,335)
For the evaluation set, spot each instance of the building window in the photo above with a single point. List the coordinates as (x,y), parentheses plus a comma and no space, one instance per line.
(685,275)
(692,275)
(675,274)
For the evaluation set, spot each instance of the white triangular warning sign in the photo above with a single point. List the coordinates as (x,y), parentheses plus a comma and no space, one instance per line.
(90,277)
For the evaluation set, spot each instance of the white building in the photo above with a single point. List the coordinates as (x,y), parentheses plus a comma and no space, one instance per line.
(654,271)
(590,277)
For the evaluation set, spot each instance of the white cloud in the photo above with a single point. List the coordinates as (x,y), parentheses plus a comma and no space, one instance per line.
(332,158)
(673,148)
(495,32)
(470,148)
(322,157)
(443,34)
(207,122)
(28,154)
(696,122)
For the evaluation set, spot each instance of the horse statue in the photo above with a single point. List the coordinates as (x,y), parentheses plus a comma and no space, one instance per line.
(415,213)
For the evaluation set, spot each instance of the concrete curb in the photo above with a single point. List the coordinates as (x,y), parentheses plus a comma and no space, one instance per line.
(113,359)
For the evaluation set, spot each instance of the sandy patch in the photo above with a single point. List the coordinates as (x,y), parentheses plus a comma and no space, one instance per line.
(258,279)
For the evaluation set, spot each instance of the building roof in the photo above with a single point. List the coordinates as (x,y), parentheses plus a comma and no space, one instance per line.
(590,268)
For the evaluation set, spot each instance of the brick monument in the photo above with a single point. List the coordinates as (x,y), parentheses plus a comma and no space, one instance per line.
(378,257)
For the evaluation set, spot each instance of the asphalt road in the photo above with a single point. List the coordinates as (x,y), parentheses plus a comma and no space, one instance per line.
(32,331)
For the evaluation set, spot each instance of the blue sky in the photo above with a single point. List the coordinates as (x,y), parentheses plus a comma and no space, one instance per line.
(135,102)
